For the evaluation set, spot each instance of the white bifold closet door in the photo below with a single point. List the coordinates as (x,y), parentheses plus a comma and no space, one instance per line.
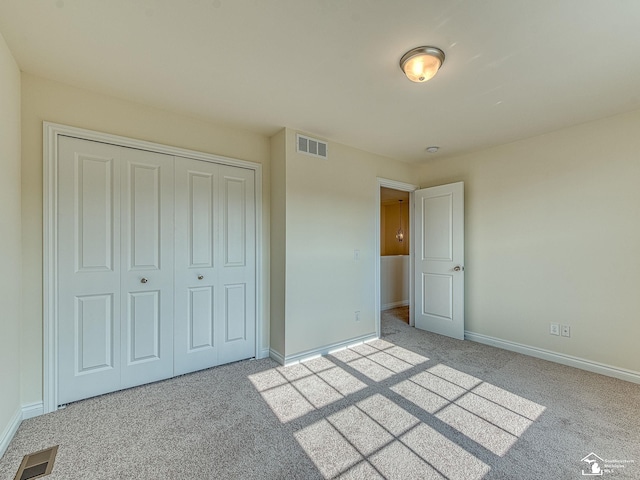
(138,231)
(115,268)
(215,265)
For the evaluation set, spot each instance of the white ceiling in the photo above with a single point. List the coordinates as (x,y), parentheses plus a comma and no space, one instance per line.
(513,68)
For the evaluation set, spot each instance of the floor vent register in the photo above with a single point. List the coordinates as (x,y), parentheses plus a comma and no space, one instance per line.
(37,465)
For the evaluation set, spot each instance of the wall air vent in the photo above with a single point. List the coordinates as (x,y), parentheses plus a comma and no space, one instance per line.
(311,146)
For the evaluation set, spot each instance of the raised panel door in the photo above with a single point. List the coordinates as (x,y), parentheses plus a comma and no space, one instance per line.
(147,249)
(237,272)
(156,267)
(197,291)
(88,270)
(439,260)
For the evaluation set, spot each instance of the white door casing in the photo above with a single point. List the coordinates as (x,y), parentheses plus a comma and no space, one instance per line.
(439,259)
(52,135)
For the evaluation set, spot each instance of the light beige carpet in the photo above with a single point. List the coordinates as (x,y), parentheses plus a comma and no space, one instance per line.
(411,405)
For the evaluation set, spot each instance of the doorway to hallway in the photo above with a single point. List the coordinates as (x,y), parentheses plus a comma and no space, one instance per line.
(394,270)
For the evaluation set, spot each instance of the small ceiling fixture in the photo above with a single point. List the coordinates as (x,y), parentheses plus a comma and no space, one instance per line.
(433,149)
(422,63)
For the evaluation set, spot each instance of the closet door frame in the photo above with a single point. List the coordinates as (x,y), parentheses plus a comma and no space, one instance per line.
(51,134)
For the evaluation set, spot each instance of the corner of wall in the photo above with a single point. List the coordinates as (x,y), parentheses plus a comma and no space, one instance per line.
(278,242)
(10,246)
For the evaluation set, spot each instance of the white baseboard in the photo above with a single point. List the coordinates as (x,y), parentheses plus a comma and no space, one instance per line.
(27,411)
(388,306)
(318,352)
(581,363)
(9,431)
(264,353)
(32,410)
(276,356)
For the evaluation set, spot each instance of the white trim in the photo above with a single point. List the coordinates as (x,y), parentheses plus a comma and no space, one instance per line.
(276,356)
(412,264)
(10,431)
(51,134)
(389,306)
(27,411)
(84,134)
(581,363)
(31,410)
(263,353)
(49,260)
(261,315)
(404,187)
(319,352)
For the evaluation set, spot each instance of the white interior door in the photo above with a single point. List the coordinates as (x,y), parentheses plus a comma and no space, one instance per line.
(439,260)
(196,268)
(215,265)
(147,226)
(115,268)
(88,269)
(236,307)
(156,266)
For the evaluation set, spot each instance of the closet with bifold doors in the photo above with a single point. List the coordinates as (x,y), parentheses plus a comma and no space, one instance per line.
(156,266)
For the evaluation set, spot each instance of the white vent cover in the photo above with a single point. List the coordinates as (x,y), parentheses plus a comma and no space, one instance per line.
(312,146)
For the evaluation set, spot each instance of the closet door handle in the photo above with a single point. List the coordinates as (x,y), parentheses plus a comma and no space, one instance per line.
(144,280)
(200,277)
(458,268)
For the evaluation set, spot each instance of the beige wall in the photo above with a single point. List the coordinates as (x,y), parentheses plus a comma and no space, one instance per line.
(552,235)
(10,238)
(46,100)
(395,271)
(331,210)
(550,227)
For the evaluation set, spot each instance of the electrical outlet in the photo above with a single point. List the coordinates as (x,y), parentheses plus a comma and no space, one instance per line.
(357,315)
(554,329)
(566,331)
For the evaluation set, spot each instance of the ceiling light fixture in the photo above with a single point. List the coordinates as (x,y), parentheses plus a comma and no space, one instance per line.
(433,149)
(422,63)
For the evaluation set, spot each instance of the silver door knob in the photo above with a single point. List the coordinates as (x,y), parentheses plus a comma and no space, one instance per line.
(144,280)
(458,268)
(200,277)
